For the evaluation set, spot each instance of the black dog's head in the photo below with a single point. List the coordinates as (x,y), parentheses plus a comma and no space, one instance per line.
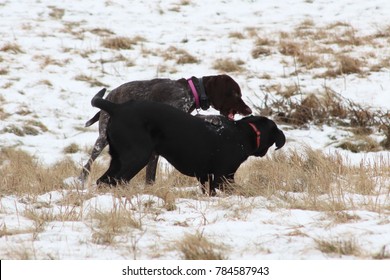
(269,134)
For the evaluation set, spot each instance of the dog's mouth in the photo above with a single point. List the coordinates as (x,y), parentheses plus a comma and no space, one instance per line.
(231,114)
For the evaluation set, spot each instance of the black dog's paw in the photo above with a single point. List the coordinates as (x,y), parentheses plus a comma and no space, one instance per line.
(106,182)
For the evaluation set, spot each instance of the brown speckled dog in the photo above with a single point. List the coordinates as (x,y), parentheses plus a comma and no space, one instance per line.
(220,91)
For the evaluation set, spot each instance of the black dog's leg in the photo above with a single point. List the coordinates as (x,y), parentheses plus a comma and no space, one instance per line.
(115,166)
(210,190)
(151,169)
(224,183)
(131,163)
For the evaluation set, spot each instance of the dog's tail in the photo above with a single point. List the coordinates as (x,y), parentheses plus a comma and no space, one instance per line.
(280,139)
(103,104)
(93,119)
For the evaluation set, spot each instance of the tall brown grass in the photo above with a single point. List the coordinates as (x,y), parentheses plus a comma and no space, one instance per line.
(24,174)
(322,180)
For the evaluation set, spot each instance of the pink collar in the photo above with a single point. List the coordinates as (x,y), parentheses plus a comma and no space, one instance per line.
(257,135)
(195,93)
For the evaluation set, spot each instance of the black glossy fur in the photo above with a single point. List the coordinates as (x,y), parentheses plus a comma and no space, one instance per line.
(222,92)
(195,147)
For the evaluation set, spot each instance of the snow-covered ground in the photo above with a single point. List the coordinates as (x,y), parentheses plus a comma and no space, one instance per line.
(60,64)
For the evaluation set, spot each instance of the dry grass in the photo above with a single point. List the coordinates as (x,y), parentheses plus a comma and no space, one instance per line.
(23,174)
(71,149)
(46,60)
(316,108)
(29,127)
(279,175)
(360,144)
(101,31)
(56,13)
(91,80)
(337,47)
(119,43)
(197,247)
(295,108)
(228,65)
(382,255)
(236,35)
(3,71)
(297,178)
(339,247)
(180,56)
(289,47)
(291,179)
(108,225)
(11,48)
(259,51)
(345,65)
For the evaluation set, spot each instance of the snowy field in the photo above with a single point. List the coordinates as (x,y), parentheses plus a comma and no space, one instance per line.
(53,59)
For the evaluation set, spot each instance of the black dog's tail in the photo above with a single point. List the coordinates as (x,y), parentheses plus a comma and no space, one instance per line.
(280,139)
(103,104)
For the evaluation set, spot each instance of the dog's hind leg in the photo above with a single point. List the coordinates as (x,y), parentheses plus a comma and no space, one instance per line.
(115,166)
(151,169)
(131,163)
(100,144)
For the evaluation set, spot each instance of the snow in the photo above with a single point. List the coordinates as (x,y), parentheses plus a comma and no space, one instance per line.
(247,228)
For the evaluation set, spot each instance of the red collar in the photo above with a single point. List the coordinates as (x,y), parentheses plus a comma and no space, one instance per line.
(257,134)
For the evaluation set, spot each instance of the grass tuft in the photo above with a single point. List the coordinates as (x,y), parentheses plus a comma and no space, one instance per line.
(228,65)
(11,48)
(119,43)
(23,174)
(339,247)
(198,247)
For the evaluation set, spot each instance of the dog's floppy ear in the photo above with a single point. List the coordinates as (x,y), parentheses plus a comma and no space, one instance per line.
(280,139)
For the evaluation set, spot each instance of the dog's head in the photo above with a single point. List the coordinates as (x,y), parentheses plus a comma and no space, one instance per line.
(269,134)
(225,95)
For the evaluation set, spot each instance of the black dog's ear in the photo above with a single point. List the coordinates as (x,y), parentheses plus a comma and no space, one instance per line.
(280,139)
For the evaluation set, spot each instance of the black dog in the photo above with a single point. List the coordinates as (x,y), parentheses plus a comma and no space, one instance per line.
(195,147)
(220,92)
